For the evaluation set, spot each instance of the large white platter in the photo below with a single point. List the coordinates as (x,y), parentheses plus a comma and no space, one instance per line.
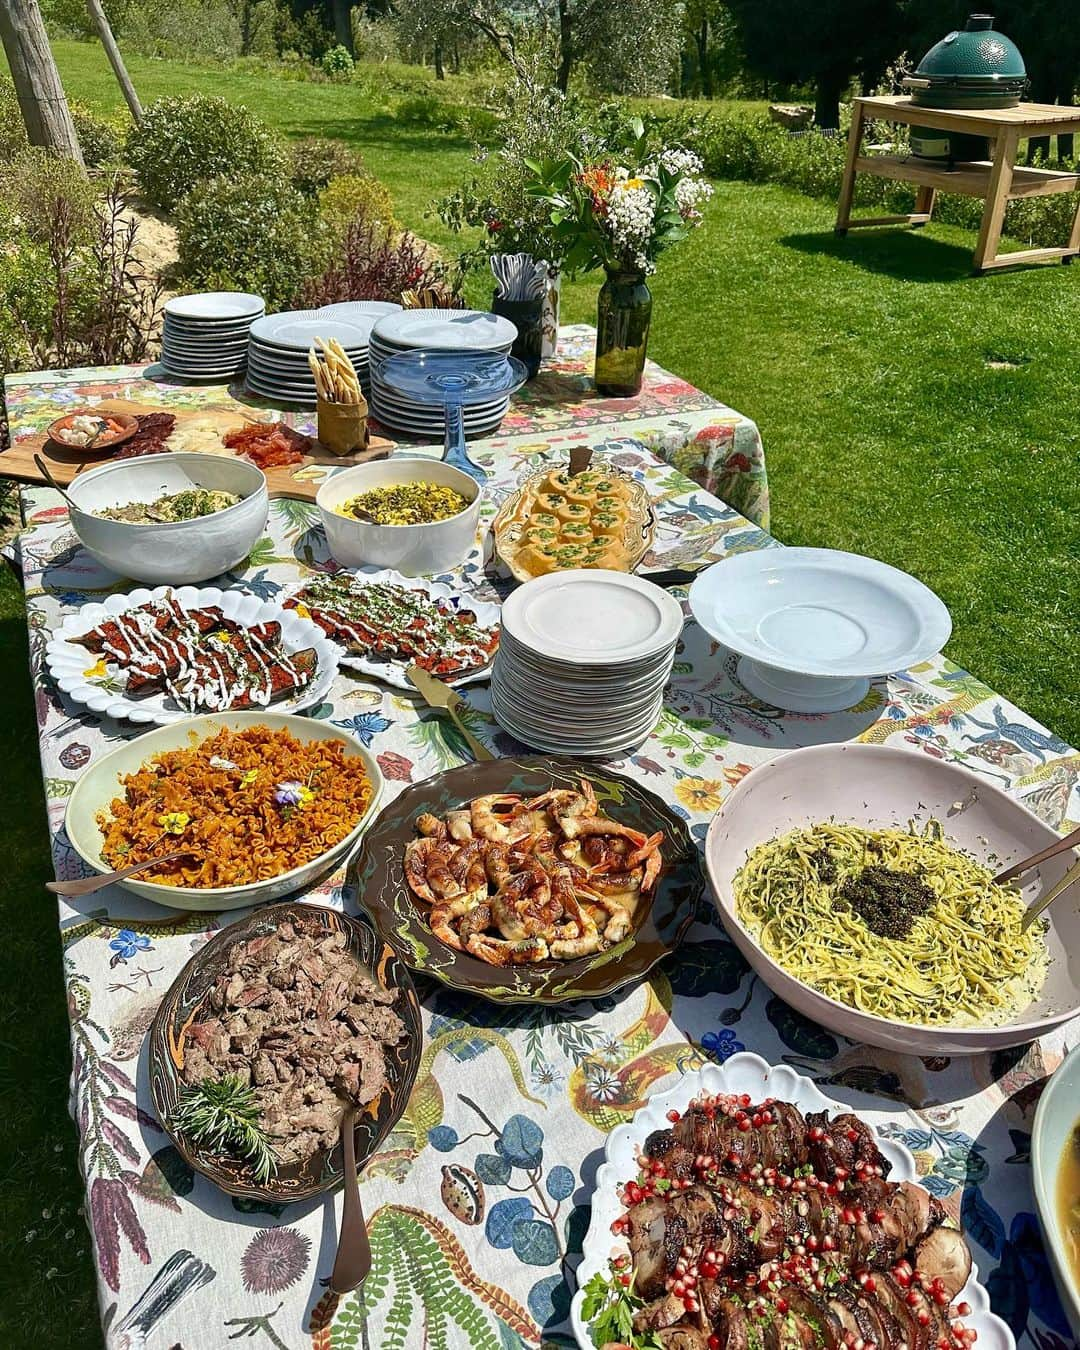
(813,624)
(741,1073)
(393,672)
(70,665)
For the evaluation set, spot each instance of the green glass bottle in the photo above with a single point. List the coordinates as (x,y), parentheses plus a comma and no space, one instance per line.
(623,311)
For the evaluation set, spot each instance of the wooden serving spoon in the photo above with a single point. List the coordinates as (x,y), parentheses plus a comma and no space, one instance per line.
(352,1264)
(88,885)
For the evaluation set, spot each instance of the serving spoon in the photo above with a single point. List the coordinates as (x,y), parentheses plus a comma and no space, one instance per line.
(88,885)
(352,1265)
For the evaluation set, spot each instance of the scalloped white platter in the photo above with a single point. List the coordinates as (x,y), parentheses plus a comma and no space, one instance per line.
(488,615)
(70,665)
(749,1073)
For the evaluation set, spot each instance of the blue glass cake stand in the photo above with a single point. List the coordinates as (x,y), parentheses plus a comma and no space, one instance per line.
(454,381)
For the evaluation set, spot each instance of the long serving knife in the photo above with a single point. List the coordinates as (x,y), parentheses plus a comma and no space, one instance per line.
(440,696)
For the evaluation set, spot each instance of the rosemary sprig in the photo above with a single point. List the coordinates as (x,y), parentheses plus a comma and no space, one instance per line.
(223,1116)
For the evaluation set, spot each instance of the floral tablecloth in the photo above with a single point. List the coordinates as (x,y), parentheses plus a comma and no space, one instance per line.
(478,1202)
(717,448)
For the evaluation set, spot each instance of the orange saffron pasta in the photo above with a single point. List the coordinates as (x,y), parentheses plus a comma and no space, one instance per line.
(250,804)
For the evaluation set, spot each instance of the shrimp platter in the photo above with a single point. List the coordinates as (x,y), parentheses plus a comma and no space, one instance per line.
(514,880)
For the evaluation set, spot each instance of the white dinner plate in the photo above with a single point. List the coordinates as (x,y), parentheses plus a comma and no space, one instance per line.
(813,624)
(297,330)
(94,681)
(351,310)
(592,616)
(742,1072)
(471,330)
(209,306)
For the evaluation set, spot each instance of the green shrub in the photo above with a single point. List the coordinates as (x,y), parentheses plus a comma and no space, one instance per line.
(101,138)
(189,139)
(47,193)
(349,196)
(12,131)
(314,160)
(337,63)
(251,233)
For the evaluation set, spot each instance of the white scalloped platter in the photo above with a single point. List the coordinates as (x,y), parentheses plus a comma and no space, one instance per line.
(749,1073)
(71,666)
(488,615)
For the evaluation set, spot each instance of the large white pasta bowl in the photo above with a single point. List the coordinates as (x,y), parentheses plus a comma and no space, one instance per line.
(101,783)
(877,787)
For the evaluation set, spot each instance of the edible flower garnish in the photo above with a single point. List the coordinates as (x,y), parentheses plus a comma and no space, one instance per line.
(96,671)
(291,793)
(220,762)
(174,822)
(248,777)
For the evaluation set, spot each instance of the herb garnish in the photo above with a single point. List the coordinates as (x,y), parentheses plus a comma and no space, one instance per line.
(609,1307)
(223,1115)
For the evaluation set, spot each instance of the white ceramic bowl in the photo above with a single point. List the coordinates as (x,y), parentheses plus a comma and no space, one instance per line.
(415,550)
(1055,1117)
(100,784)
(182,552)
(878,787)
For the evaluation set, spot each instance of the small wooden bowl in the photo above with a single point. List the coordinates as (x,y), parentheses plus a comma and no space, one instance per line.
(108,440)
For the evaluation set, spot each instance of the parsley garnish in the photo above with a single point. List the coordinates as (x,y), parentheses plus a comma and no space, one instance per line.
(609,1308)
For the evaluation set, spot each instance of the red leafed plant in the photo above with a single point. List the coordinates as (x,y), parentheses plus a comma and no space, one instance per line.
(374,264)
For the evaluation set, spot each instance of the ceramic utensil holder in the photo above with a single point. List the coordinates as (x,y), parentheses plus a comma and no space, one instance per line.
(528,316)
(342,427)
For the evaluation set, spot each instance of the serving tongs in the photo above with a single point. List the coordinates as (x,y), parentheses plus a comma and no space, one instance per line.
(1071,877)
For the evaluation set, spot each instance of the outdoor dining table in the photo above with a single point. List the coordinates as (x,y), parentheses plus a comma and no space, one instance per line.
(478,1201)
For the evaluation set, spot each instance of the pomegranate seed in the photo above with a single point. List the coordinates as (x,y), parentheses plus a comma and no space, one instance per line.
(963,1309)
(744,1099)
(743,1124)
(878,1215)
(902,1278)
(690,1304)
(828,1243)
(852,1135)
(817,1133)
(943,1343)
(673,1116)
(913,1298)
(871,1284)
(922,1317)
(940,1298)
(678,1289)
(714,1342)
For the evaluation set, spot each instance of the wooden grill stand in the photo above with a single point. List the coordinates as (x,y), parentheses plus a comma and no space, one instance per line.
(997,180)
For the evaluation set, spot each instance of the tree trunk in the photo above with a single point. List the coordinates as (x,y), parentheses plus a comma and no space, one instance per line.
(827,102)
(566,46)
(37,82)
(704,69)
(112,51)
(343,25)
(457,58)
(440,73)
(247,26)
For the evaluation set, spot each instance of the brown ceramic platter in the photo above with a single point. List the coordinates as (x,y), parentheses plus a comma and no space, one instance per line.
(188,991)
(104,443)
(377,872)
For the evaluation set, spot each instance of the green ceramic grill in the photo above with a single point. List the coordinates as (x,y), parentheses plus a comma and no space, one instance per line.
(971,68)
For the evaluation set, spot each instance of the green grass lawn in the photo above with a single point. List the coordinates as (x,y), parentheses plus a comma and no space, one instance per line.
(908,410)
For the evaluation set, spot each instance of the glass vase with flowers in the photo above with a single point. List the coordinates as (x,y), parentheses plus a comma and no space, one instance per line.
(620,211)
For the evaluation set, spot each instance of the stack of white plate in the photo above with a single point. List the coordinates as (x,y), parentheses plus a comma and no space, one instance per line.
(205,337)
(436,330)
(583,659)
(278,348)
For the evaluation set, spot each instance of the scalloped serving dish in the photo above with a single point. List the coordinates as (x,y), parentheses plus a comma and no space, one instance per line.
(77,672)
(743,1072)
(392,672)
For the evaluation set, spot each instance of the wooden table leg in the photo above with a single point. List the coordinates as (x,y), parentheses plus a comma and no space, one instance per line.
(997,197)
(1074,236)
(847,183)
(924,205)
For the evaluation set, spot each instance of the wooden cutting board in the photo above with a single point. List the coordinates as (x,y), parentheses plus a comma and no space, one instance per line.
(196,429)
